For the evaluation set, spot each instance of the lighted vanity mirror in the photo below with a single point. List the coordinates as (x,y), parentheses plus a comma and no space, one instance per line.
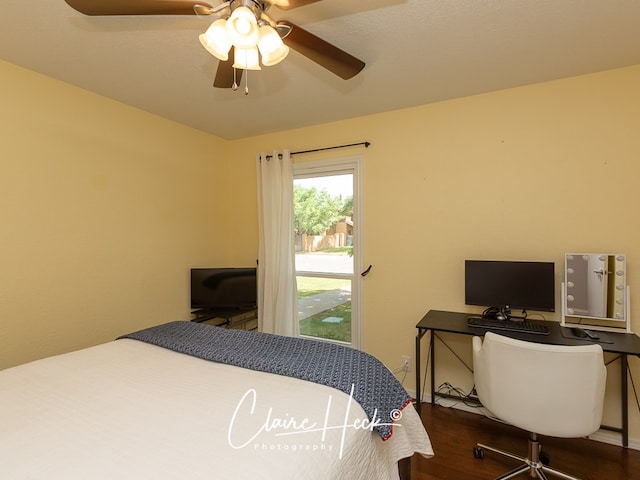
(595,286)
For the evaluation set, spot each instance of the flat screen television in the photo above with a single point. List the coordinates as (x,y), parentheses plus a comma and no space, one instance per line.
(506,284)
(216,289)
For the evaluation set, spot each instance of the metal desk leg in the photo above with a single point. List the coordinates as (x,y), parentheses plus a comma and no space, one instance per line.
(625,406)
(432,351)
(418,369)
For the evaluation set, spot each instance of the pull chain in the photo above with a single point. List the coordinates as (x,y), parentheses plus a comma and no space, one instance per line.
(234,87)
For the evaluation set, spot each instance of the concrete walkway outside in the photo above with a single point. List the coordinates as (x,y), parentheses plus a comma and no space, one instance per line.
(323,262)
(309,306)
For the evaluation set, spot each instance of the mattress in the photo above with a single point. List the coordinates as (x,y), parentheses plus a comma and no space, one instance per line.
(132,410)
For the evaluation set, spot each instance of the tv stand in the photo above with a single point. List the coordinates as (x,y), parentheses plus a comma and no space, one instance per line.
(241,318)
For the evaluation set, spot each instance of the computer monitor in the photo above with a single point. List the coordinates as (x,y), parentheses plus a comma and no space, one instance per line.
(508,284)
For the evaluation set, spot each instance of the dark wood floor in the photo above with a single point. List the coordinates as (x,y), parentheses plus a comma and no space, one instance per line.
(454,433)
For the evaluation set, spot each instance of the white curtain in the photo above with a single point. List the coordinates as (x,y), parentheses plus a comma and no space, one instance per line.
(277,292)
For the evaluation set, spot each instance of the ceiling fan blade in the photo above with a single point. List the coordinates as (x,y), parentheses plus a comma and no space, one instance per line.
(322,52)
(136,7)
(289,4)
(224,75)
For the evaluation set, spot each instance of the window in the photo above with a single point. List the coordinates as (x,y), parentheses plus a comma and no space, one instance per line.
(327,206)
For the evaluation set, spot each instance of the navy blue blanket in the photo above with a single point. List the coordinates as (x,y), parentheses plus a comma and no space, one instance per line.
(374,387)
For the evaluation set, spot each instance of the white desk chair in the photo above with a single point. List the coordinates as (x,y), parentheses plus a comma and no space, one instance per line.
(549,390)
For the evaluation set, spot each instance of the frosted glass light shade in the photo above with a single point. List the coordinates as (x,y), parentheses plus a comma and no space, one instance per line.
(242,28)
(246,58)
(271,47)
(215,40)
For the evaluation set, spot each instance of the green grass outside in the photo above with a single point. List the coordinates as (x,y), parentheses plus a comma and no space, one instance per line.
(315,327)
(339,250)
(308,286)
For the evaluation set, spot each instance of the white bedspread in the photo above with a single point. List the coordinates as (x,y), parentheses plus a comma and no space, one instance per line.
(130,410)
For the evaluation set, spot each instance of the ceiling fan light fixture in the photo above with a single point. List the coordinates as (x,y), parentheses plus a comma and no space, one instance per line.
(271,47)
(242,28)
(215,40)
(246,58)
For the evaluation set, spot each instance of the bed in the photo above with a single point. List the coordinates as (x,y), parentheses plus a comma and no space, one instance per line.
(191,401)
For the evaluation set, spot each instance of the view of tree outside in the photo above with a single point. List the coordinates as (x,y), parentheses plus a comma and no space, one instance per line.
(324,299)
(316,211)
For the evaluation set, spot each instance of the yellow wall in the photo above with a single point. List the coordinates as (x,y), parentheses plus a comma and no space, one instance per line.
(524,174)
(103,209)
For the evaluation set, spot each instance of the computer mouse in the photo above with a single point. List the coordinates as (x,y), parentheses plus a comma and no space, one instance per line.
(578,332)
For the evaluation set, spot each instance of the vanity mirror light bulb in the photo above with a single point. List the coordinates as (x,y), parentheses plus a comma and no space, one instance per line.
(620,258)
(570,311)
(620,272)
(570,284)
(602,258)
(619,301)
(619,287)
(570,298)
(569,270)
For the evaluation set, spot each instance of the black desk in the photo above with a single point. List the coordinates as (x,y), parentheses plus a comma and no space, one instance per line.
(440,321)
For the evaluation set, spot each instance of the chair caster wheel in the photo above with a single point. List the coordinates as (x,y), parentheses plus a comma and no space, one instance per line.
(544,458)
(478,452)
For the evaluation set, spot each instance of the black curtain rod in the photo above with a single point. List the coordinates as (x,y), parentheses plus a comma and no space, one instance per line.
(366,145)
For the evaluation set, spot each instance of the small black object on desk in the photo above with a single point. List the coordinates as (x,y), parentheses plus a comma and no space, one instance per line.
(578,332)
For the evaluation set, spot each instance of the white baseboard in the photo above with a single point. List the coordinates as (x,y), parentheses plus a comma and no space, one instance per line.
(603,436)
(613,438)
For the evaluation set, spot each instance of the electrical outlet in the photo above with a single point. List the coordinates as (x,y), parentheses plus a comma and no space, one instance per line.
(406,363)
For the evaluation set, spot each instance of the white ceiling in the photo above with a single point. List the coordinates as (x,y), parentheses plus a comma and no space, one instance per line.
(416,51)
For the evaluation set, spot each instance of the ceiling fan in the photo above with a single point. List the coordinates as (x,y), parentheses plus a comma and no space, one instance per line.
(228,74)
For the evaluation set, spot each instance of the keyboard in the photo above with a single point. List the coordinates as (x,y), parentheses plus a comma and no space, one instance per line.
(520,326)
